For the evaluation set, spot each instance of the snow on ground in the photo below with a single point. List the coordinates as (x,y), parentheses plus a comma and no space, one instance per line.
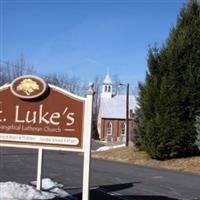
(106,148)
(16,191)
(48,184)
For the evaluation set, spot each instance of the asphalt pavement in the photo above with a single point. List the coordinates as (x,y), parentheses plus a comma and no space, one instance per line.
(95,145)
(109,180)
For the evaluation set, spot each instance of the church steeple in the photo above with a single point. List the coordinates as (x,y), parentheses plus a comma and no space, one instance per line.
(107,87)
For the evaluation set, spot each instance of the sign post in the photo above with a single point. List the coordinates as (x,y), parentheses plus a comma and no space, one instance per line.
(36,115)
(39,169)
(87,145)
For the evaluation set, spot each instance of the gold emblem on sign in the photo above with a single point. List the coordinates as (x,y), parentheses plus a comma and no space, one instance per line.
(28,86)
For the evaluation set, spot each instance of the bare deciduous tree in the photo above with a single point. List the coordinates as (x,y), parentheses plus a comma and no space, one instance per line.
(71,84)
(97,88)
(11,70)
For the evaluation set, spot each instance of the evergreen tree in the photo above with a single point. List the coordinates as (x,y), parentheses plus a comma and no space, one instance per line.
(197,126)
(170,96)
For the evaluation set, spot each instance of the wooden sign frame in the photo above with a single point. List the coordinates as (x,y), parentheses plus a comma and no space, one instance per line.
(84,138)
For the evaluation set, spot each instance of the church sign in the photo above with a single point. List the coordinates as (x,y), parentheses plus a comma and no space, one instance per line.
(33,113)
(36,115)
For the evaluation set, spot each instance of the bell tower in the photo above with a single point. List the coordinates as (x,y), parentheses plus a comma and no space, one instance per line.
(107,87)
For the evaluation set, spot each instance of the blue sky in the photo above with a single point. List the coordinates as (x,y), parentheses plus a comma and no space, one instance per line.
(83,37)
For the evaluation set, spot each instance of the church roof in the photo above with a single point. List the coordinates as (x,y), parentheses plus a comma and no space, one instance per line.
(115,108)
(107,80)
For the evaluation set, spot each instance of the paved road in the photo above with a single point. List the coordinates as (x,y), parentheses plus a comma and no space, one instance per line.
(118,180)
(96,145)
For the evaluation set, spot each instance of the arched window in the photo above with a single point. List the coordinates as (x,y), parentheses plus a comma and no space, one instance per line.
(105,88)
(109,88)
(109,128)
(123,128)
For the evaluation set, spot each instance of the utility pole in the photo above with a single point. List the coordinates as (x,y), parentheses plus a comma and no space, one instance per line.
(127,114)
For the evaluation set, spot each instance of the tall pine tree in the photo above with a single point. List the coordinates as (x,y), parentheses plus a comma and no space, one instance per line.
(170,96)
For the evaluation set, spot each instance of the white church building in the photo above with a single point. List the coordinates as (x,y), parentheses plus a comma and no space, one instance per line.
(111,123)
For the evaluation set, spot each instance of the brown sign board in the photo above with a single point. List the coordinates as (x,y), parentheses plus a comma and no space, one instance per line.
(39,115)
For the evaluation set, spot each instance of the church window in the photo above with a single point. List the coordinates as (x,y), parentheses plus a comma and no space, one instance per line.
(109,128)
(109,88)
(105,90)
(123,128)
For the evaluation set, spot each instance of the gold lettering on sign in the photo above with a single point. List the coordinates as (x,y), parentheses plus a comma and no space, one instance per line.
(55,116)
(70,118)
(17,115)
(1,107)
(41,116)
(28,86)
(1,113)
(33,120)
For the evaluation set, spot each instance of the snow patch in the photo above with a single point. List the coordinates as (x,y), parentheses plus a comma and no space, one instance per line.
(106,148)
(16,191)
(48,184)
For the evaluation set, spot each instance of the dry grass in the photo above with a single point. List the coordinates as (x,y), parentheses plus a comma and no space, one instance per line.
(133,156)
